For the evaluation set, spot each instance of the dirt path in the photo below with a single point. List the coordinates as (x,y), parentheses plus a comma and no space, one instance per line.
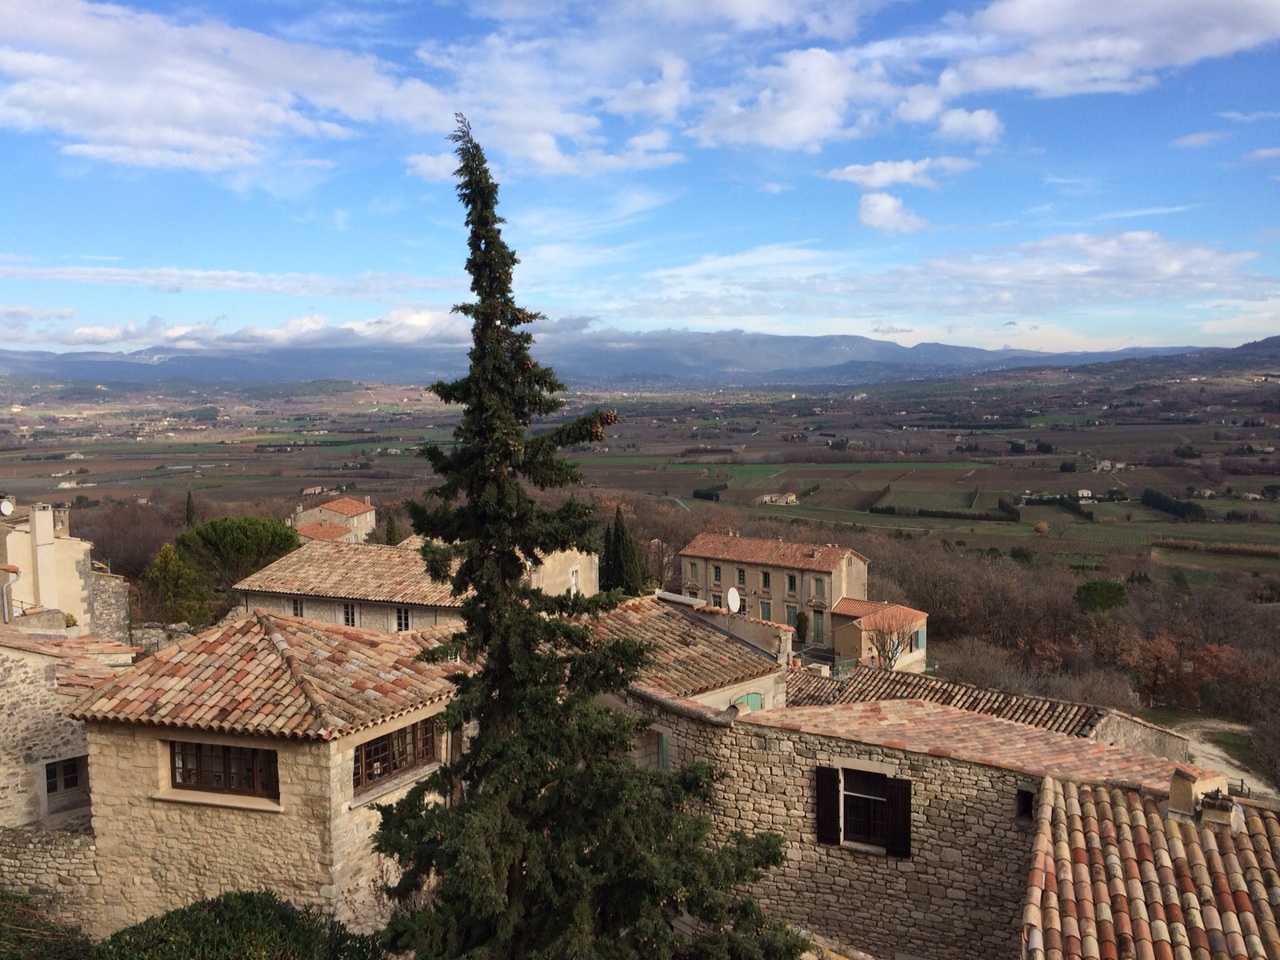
(1206,753)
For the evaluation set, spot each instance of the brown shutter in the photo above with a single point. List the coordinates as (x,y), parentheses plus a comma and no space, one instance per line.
(828,805)
(897,817)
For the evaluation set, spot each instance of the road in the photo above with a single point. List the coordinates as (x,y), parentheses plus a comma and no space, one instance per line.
(1206,753)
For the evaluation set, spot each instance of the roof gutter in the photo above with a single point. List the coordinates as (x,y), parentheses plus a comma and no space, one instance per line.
(4,588)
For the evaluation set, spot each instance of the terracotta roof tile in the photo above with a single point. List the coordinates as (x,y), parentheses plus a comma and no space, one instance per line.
(690,656)
(323,530)
(1147,884)
(920,727)
(875,614)
(80,663)
(347,506)
(266,673)
(866,684)
(352,571)
(768,553)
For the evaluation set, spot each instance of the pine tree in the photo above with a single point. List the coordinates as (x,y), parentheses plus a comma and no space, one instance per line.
(608,561)
(172,590)
(557,846)
(629,571)
(191,511)
(393,528)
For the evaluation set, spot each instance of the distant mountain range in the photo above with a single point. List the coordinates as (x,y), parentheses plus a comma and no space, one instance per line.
(671,359)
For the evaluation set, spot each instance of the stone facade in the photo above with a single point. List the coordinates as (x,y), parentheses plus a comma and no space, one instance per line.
(958,894)
(55,566)
(56,867)
(109,600)
(567,570)
(156,636)
(161,847)
(35,733)
(368,614)
(1137,734)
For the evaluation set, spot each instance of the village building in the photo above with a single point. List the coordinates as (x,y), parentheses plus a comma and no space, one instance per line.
(879,634)
(383,587)
(776,579)
(356,518)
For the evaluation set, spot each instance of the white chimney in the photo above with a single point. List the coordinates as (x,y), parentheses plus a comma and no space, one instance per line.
(44,576)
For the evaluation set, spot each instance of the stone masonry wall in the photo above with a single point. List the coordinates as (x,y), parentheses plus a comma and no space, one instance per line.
(153,637)
(1140,736)
(55,867)
(35,732)
(156,854)
(109,601)
(959,894)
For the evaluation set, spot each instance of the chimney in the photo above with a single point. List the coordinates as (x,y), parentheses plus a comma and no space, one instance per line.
(1187,789)
(44,577)
(366,502)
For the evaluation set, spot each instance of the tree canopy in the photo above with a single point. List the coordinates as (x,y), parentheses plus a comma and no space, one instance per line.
(226,550)
(557,845)
(620,566)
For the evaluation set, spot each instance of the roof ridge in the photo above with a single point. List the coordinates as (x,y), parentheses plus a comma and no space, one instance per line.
(318,700)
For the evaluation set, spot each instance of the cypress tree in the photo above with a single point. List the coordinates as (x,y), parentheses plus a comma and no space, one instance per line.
(608,561)
(191,511)
(556,844)
(393,528)
(629,571)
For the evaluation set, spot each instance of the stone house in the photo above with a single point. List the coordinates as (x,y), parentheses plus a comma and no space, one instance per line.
(254,753)
(383,587)
(357,519)
(907,826)
(879,634)
(775,579)
(55,573)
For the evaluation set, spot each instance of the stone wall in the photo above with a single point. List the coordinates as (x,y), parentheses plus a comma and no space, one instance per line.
(57,868)
(152,637)
(959,894)
(35,733)
(370,616)
(109,603)
(1135,734)
(160,848)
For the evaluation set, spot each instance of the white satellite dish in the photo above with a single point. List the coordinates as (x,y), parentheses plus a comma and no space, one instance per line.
(733,600)
(6,508)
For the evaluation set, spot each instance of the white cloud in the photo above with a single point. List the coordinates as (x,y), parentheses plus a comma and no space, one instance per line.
(1145,212)
(1264,153)
(886,173)
(432,166)
(1250,117)
(885,329)
(982,126)
(883,211)
(1204,138)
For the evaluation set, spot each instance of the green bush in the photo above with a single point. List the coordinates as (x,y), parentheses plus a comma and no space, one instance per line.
(239,926)
(1101,595)
(25,932)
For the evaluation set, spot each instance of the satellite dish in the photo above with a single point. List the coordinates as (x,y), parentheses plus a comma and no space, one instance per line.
(733,600)
(6,508)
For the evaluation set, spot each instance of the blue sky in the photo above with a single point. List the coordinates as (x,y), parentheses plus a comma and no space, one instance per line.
(1043,174)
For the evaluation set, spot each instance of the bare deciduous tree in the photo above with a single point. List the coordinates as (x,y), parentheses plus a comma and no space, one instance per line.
(889,633)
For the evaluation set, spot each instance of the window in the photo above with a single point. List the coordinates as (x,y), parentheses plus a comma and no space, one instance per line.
(218,768)
(1026,804)
(742,577)
(819,588)
(791,614)
(717,600)
(348,614)
(664,751)
(764,580)
(752,701)
(573,580)
(819,627)
(694,594)
(403,749)
(917,640)
(693,570)
(66,784)
(716,572)
(859,806)
(791,583)
(61,775)
(766,610)
(402,618)
(297,607)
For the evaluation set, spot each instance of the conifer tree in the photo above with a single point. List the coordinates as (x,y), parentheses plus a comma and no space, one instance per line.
(557,845)
(393,528)
(628,570)
(608,561)
(191,511)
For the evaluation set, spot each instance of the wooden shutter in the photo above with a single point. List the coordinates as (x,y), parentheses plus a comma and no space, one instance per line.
(828,797)
(897,817)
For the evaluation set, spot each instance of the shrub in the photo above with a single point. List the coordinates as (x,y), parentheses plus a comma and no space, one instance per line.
(26,932)
(1182,509)
(1099,595)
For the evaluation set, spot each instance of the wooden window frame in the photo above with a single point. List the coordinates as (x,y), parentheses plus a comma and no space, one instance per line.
(830,810)
(391,754)
(349,615)
(197,766)
(742,577)
(764,580)
(716,573)
(791,583)
(298,607)
(766,610)
(404,619)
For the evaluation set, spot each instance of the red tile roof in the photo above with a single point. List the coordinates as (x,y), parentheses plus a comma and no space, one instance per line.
(868,684)
(1113,875)
(347,506)
(272,675)
(877,614)
(690,657)
(77,666)
(323,530)
(768,553)
(919,727)
(352,571)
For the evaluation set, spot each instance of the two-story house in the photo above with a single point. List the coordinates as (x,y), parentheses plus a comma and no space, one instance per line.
(345,519)
(776,580)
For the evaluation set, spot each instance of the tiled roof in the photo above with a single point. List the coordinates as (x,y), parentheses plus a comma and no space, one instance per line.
(690,657)
(866,684)
(877,614)
(768,553)
(919,727)
(1113,876)
(352,571)
(76,664)
(323,530)
(273,675)
(347,506)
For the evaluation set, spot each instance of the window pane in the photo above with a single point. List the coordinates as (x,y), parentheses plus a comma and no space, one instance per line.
(70,775)
(766,610)
(50,778)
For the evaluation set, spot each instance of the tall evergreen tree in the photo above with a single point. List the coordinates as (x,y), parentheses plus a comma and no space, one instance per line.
(608,561)
(393,528)
(558,845)
(629,571)
(191,511)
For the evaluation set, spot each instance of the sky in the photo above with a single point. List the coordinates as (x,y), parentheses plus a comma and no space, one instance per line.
(1038,174)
